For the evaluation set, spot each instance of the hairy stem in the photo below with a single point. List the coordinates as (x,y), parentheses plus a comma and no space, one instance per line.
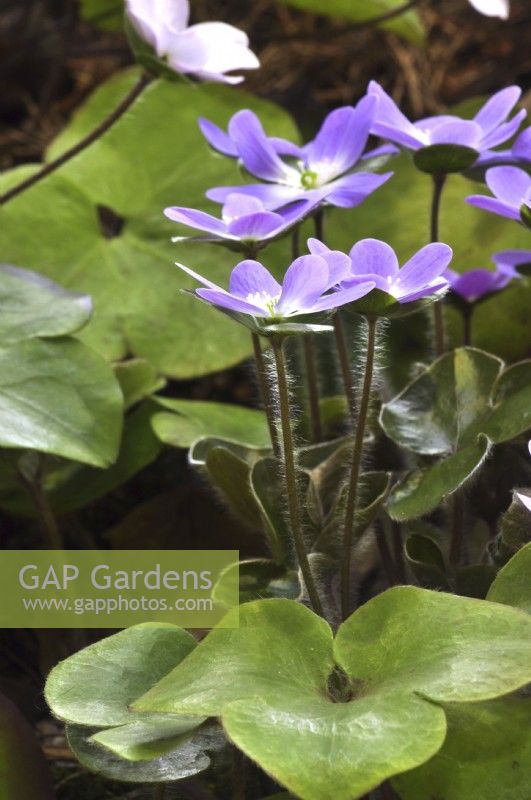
(438,315)
(291,477)
(344,364)
(104,126)
(47,519)
(357,456)
(265,393)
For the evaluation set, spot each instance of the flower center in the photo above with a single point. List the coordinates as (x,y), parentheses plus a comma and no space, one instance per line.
(265,301)
(309,179)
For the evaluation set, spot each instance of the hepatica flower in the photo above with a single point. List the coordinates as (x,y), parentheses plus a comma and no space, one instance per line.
(244,220)
(373,260)
(490,127)
(492,8)
(319,172)
(519,153)
(476,284)
(207,51)
(305,290)
(511,188)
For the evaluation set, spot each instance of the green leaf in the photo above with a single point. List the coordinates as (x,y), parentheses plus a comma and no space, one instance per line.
(184,761)
(449,409)
(231,475)
(257,579)
(135,170)
(501,324)
(59,397)
(487,755)
(408,24)
(195,419)
(35,306)
(426,561)
(398,656)
(96,686)
(487,752)
(268,487)
(422,491)
(24,774)
(512,585)
(137,380)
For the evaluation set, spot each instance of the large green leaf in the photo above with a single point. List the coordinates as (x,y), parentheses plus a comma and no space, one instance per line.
(34,306)
(154,156)
(398,213)
(407,24)
(337,718)
(185,421)
(448,410)
(487,752)
(513,583)
(60,397)
(95,687)
(486,755)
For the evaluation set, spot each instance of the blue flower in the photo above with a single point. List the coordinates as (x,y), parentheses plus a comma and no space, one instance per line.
(253,291)
(476,284)
(244,220)
(489,128)
(511,188)
(321,171)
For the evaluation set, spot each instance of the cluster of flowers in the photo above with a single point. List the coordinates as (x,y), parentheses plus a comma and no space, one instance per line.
(297,181)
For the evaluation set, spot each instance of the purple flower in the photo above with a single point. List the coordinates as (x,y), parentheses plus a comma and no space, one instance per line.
(319,172)
(476,284)
(520,153)
(374,260)
(489,128)
(511,188)
(305,289)
(244,220)
(492,8)
(208,50)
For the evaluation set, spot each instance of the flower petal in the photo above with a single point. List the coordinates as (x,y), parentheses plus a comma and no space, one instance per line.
(476,283)
(504,132)
(259,226)
(240,205)
(252,278)
(226,300)
(343,296)
(460,131)
(492,8)
(432,288)
(525,499)
(497,109)
(210,50)
(199,278)
(390,123)
(493,205)
(342,139)
(217,138)
(372,256)
(522,146)
(272,196)
(510,259)
(508,184)
(422,269)
(339,266)
(317,248)
(351,190)
(256,152)
(196,219)
(304,282)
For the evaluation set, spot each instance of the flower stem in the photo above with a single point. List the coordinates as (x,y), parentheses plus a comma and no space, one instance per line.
(265,393)
(34,485)
(291,476)
(104,126)
(310,361)
(438,314)
(344,364)
(357,455)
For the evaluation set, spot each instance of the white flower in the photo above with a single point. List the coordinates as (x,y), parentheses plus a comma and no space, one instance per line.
(208,50)
(492,8)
